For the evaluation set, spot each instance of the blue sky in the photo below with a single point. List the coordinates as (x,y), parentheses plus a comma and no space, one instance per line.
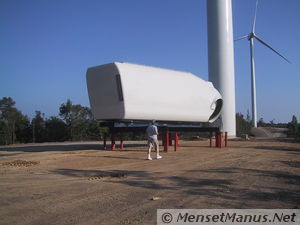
(47,45)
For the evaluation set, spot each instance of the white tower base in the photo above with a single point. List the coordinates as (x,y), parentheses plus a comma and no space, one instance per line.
(221,59)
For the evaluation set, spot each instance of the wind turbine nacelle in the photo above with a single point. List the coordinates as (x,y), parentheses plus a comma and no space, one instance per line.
(125,92)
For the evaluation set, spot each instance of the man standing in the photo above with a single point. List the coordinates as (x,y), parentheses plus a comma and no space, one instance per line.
(152,133)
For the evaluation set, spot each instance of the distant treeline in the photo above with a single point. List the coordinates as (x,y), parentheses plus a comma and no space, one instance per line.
(243,125)
(76,123)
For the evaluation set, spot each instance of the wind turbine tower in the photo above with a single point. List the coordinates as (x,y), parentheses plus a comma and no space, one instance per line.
(251,36)
(221,59)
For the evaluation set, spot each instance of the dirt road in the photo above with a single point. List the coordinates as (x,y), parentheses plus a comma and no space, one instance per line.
(78,183)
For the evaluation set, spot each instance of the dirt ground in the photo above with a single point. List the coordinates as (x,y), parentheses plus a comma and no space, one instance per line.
(78,183)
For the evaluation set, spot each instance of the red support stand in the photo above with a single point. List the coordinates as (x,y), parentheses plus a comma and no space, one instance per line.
(220,139)
(210,140)
(217,139)
(170,139)
(176,141)
(226,139)
(104,141)
(166,141)
(121,143)
(113,142)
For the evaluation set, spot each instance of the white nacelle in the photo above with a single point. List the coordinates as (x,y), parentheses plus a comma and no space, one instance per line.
(124,91)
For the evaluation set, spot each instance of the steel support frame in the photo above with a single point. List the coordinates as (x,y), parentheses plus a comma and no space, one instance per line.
(167,135)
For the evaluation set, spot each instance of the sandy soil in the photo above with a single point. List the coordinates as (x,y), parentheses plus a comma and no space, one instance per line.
(78,183)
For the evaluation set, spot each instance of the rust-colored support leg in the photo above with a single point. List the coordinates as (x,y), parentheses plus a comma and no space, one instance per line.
(217,139)
(176,141)
(226,139)
(170,139)
(166,141)
(113,142)
(104,141)
(210,140)
(121,143)
(220,139)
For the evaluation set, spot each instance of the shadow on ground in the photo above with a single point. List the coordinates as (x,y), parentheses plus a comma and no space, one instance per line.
(295,164)
(284,189)
(282,176)
(49,148)
(277,148)
(65,147)
(199,183)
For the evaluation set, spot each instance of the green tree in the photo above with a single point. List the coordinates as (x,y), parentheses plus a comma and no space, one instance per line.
(14,126)
(3,133)
(242,126)
(38,127)
(81,117)
(294,127)
(56,129)
(95,132)
(261,123)
(9,116)
(65,111)
(76,123)
(80,122)
(294,120)
(23,129)
(272,122)
(248,118)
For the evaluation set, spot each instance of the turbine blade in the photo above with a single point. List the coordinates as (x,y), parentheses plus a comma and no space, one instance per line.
(240,38)
(254,20)
(264,43)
